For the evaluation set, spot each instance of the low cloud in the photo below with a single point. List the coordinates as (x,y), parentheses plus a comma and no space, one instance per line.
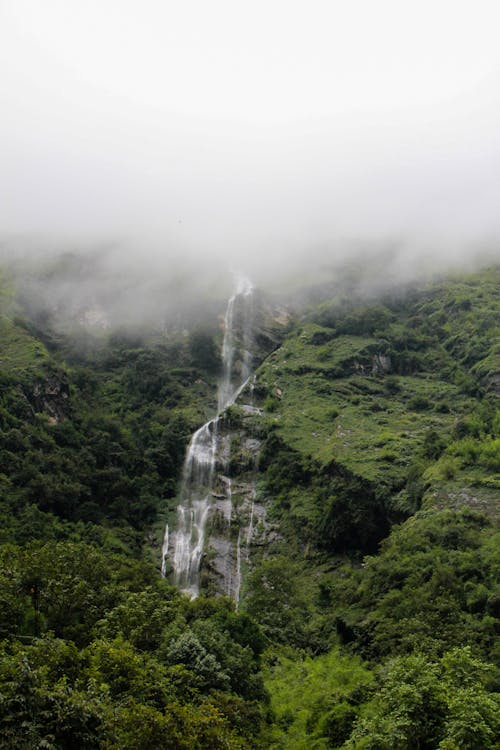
(278,138)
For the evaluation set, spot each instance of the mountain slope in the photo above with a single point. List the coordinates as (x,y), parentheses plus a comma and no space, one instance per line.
(363,467)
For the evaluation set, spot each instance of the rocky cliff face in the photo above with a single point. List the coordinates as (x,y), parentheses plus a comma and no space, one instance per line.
(51,396)
(218,516)
(238,522)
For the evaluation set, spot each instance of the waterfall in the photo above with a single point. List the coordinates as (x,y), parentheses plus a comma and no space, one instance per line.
(164,552)
(238,570)
(184,546)
(228,391)
(250,527)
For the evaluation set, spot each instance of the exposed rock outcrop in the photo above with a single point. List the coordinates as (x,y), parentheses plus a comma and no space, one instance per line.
(237,522)
(381,364)
(218,517)
(51,396)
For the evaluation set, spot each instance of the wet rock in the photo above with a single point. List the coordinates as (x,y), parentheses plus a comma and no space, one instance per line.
(51,396)
(381,364)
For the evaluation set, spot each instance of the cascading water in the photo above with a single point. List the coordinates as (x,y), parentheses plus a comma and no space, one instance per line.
(184,547)
(238,570)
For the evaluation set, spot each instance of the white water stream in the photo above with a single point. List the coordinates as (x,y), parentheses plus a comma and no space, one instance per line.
(184,546)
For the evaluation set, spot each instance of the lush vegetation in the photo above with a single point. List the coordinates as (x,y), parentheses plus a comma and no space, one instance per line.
(380,467)
(369,618)
(98,651)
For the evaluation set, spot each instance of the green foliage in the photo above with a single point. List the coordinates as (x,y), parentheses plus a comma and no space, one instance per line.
(140,618)
(331,508)
(188,651)
(430,704)
(359,322)
(203,351)
(315,700)
(427,590)
(377,416)
(392,373)
(111,656)
(276,602)
(108,697)
(352,517)
(233,417)
(101,445)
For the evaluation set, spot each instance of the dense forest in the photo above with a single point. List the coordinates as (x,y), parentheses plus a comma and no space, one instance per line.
(368,616)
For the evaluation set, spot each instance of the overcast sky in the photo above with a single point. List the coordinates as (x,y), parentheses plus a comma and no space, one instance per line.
(230,127)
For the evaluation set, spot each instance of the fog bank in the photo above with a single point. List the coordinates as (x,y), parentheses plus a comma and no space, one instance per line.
(271,136)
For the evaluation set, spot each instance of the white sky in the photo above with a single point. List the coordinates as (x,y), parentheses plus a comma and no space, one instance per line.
(215,125)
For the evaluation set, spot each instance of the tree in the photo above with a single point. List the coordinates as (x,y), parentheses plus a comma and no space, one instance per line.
(204,354)
(188,651)
(423,705)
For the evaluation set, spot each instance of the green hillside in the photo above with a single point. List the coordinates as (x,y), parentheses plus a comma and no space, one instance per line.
(376,414)
(369,386)
(395,395)
(369,610)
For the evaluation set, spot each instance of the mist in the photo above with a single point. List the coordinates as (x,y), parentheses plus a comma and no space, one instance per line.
(172,139)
